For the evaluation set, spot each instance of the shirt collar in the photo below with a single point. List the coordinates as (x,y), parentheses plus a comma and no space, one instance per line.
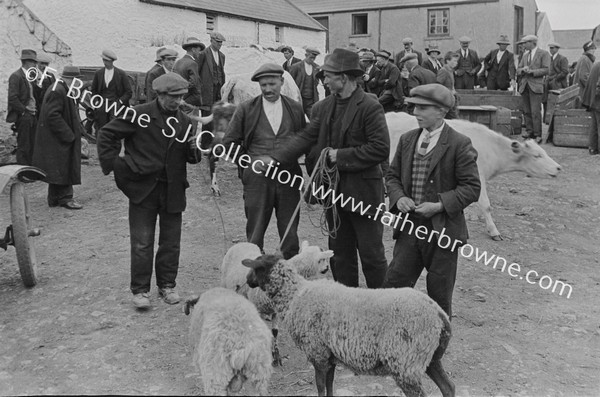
(271,104)
(436,131)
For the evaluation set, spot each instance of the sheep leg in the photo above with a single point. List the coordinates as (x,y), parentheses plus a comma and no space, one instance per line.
(329,380)
(321,380)
(437,374)
(275,349)
(486,210)
(411,387)
(212,166)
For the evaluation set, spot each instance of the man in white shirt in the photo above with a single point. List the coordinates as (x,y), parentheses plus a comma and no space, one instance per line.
(259,126)
(431,180)
(211,66)
(305,76)
(500,66)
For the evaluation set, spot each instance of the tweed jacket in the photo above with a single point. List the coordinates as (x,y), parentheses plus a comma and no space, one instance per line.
(582,72)
(299,74)
(445,76)
(453,179)
(187,67)
(152,74)
(540,65)
(473,60)
(557,75)
(287,67)
(18,96)
(137,173)
(420,76)
(502,72)
(120,81)
(206,65)
(365,144)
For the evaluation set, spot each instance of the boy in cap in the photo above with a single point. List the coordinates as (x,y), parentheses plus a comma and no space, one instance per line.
(152,174)
(22,107)
(500,66)
(113,85)
(211,66)
(290,59)
(431,180)
(58,142)
(260,125)
(468,65)
(305,76)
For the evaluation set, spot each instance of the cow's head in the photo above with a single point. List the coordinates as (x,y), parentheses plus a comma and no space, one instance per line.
(533,160)
(222,114)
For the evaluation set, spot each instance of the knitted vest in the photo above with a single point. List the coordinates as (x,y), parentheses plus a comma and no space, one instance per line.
(420,166)
(264,140)
(308,86)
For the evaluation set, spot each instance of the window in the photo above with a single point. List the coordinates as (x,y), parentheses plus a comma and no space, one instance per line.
(359,24)
(439,22)
(277,34)
(210,22)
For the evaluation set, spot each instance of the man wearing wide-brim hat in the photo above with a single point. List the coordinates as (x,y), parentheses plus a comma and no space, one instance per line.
(432,62)
(153,176)
(389,84)
(370,79)
(351,123)
(290,59)
(165,60)
(500,66)
(22,107)
(431,180)
(468,65)
(304,74)
(112,84)
(58,141)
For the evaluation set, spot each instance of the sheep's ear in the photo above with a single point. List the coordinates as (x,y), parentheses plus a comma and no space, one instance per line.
(327,254)
(304,245)
(252,264)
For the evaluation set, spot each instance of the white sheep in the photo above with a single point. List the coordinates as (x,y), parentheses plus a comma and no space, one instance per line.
(230,342)
(398,332)
(311,261)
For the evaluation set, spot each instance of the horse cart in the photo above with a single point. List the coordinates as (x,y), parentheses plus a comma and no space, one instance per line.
(20,233)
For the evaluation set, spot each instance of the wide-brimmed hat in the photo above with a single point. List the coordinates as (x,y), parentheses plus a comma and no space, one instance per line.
(384,54)
(342,61)
(28,55)
(431,94)
(71,72)
(192,42)
(267,70)
(433,48)
(109,55)
(503,40)
(367,56)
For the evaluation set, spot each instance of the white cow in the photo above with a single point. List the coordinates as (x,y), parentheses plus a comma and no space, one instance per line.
(497,155)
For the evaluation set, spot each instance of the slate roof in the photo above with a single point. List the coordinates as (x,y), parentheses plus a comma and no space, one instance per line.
(573,38)
(332,6)
(282,12)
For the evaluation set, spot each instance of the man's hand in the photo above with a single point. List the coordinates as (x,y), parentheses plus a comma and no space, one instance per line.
(405,204)
(429,209)
(332,156)
(30,109)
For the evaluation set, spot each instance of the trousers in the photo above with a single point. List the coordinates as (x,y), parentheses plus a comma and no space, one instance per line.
(532,111)
(26,126)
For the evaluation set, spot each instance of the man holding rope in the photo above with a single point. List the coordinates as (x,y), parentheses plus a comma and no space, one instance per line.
(352,125)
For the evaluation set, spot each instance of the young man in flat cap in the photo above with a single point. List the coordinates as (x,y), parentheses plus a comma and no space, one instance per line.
(534,65)
(211,66)
(165,60)
(260,126)
(187,67)
(500,66)
(557,74)
(113,85)
(152,174)
(351,123)
(584,66)
(58,142)
(445,77)
(390,87)
(22,107)
(290,59)
(43,82)
(305,76)
(431,180)
(468,65)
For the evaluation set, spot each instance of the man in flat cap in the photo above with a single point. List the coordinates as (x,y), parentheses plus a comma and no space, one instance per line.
(165,61)
(557,74)
(58,142)
(584,66)
(22,107)
(44,80)
(390,87)
(351,123)
(370,80)
(290,59)
(500,66)
(417,75)
(445,77)
(305,76)
(468,65)
(432,62)
(534,65)
(187,67)
(113,85)
(407,42)
(431,180)
(261,125)
(591,102)
(211,65)
(152,174)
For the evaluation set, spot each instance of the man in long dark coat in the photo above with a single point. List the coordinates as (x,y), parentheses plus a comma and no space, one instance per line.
(44,80)
(211,67)
(165,60)
(58,142)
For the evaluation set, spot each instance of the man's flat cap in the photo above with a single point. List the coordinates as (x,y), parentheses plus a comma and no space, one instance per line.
(109,55)
(267,70)
(192,42)
(529,37)
(464,39)
(170,83)
(409,56)
(433,48)
(44,58)
(384,54)
(407,40)
(589,46)
(503,40)
(217,36)
(431,94)
(553,44)
(312,50)
(169,53)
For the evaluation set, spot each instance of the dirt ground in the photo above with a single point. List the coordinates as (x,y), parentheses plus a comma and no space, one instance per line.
(76,332)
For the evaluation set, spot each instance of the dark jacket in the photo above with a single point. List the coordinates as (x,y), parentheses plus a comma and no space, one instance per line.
(420,76)
(206,69)
(187,67)
(156,71)
(18,95)
(57,148)
(39,92)
(591,93)
(540,64)
(391,73)
(294,61)
(428,64)
(582,72)
(453,179)
(299,74)
(502,73)
(372,84)
(365,144)
(120,81)
(469,65)
(557,75)
(137,173)
(401,54)
(445,77)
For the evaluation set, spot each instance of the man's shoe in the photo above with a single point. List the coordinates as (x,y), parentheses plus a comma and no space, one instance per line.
(141,301)
(169,295)
(72,205)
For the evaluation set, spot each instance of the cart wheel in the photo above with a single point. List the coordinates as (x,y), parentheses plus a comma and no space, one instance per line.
(19,208)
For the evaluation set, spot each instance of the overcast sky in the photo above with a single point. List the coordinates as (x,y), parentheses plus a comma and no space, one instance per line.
(571,14)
